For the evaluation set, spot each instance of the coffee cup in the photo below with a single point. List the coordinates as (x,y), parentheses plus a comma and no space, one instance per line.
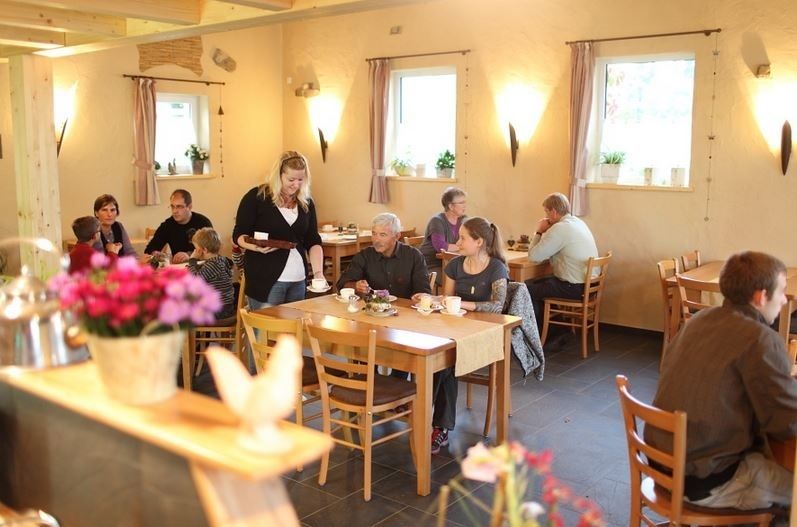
(346,292)
(425,302)
(452,304)
(318,284)
(261,235)
(327,228)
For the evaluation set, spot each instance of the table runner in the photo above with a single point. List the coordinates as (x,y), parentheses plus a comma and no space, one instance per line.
(479,343)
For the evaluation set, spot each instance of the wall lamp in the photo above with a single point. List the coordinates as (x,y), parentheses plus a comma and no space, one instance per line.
(63,109)
(324,145)
(785,146)
(513,143)
(307,90)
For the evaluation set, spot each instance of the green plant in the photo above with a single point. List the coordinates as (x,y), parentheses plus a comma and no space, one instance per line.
(401,166)
(612,158)
(445,160)
(195,153)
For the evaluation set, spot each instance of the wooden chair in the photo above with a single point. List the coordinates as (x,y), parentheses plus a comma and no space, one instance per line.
(223,332)
(407,233)
(692,295)
(667,269)
(583,313)
(663,492)
(149,232)
(432,280)
(363,393)
(240,333)
(690,260)
(414,241)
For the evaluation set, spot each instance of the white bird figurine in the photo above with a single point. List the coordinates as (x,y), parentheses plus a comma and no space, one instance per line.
(260,401)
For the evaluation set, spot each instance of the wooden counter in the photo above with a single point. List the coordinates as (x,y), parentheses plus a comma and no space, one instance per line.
(197,433)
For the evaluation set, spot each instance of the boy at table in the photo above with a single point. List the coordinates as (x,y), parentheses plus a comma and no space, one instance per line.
(87,232)
(729,371)
(215,269)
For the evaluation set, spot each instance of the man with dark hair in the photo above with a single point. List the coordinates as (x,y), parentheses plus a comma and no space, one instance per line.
(178,230)
(729,371)
(568,243)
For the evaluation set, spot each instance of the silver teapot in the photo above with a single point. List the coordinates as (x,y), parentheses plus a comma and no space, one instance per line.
(34,332)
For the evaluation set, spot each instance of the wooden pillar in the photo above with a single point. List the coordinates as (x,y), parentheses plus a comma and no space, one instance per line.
(35,161)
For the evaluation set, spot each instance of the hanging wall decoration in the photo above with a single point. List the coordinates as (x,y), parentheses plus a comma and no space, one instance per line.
(184,52)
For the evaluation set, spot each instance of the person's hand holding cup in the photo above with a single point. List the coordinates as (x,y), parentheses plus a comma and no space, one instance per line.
(318,284)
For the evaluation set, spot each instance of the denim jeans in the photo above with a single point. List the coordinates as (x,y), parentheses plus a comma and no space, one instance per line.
(281,293)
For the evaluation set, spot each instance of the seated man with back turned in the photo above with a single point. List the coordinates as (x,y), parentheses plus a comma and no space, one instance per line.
(178,230)
(388,263)
(729,371)
(568,243)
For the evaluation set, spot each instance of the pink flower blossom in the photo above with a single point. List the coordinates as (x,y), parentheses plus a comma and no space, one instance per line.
(99,260)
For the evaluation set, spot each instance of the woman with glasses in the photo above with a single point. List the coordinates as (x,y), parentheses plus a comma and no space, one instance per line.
(113,236)
(281,208)
(442,231)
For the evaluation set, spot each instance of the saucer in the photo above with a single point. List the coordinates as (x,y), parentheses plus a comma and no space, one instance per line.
(344,300)
(461,312)
(431,309)
(328,287)
(387,313)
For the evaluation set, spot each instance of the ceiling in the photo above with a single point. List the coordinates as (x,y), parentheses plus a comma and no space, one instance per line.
(68,27)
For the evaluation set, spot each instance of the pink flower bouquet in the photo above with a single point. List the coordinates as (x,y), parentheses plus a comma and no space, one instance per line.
(130,299)
(513,469)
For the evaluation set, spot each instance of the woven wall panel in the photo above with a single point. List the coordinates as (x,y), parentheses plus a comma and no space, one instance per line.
(185,52)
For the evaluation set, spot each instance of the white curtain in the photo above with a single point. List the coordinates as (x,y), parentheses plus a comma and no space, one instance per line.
(582,67)
(146,188)
(379,77)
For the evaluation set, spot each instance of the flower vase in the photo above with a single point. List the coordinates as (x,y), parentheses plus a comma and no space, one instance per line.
(138,370)
(197,166)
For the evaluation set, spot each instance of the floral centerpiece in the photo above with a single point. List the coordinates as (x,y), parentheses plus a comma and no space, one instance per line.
(377,300)
(514,470)
(135,318)
(195,153)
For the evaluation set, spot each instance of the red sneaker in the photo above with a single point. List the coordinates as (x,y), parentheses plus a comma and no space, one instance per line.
(439,439)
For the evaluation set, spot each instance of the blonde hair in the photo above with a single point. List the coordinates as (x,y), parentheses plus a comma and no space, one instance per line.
(208,239)
(288,159)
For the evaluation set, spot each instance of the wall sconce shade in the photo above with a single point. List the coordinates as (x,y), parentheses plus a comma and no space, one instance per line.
(324,145)
(763,71)
(513,144)
(785,146)
(59,139)
(307,90)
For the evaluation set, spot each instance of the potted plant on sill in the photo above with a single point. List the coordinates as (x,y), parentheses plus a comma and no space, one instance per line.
(402,167)
(610,166)
(445,165)
(198,156)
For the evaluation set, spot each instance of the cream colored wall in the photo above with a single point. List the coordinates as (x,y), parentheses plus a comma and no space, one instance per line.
(96,153)
(750,205)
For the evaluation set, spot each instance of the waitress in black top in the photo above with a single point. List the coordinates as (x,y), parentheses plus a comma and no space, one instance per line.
(283,209)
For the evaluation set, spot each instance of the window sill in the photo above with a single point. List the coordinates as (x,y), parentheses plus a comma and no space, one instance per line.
(646,188)
(181,177)
(422,179)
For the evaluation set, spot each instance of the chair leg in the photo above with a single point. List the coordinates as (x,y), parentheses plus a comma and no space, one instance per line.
(546,314)
(596,332)
(327,427)
(366,443)
(488,414)
(299,420)
(468,395)
(188,352)
(584,336)
(413,446)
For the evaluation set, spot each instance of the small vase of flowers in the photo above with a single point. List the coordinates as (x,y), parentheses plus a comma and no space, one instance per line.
(377,300)
(135,318)
(198,156)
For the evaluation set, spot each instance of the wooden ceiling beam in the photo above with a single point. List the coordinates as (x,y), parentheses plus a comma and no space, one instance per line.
(271,5)
(45,18)
(33,38)
(182,12)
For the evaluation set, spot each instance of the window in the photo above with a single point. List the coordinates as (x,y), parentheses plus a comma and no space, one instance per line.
(644,110)
(182,120)
(422,120)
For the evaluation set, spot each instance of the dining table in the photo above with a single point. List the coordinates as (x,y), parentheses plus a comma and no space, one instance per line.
(422,345)
(710,272)
(520,267)
(339,245)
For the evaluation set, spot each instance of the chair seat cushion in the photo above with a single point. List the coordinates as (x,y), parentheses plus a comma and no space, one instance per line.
(386,389)
(310,374)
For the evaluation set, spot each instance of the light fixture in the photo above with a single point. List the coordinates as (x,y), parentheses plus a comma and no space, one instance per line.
(307,90)
(763,71)
(324,145)
(513,143)
(785,146)
(63,109)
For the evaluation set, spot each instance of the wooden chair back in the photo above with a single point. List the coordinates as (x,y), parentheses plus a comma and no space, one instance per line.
(667,269)
(792,354)
(432,280)
(690,260)
(261,332)
(240,333)
(407,233)
(414,241)
(694,295)
(199,338)
(660,488)
(149,232)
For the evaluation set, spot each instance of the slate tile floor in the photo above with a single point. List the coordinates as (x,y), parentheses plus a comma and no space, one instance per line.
(574,411)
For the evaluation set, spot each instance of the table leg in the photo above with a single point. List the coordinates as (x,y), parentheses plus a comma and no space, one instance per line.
(422,424)
(336,266)
(503,393)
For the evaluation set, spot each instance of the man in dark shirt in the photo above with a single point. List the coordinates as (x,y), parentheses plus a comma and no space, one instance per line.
(388,263)
(178,230)
(729,371)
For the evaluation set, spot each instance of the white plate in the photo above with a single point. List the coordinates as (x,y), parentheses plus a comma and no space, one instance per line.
(387,313)
(461,312)
(433,308)
(344,300)
(310,288)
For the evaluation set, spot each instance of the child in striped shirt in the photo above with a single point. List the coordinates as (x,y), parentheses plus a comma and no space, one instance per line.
(206,262)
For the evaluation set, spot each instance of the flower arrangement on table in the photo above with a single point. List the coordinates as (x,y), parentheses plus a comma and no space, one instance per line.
(514,470)
(195,153)
(130,299)
(377,300)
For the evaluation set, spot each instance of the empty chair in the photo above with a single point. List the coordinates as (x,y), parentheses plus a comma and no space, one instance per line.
(660,488)
(694,295)
(407,233)
(583,313)
(667,269)
(222,332)
(690,260)
(362,393)
(413,241)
